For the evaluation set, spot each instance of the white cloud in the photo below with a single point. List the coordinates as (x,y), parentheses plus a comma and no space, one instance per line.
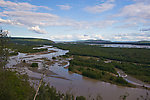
(64,7)
(100,8)
(29,19)
(104,23)
(37,30)
(4,21)
(139,10)
(134,15)
(75,37)
(26,17)
(143,1)
(110,0)
(22,14)
(131,37)
(126,24)
(8,5)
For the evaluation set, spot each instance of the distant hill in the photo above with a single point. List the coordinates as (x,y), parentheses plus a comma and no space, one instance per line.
(110,42)
(94,41)
(20,40)
(143,41)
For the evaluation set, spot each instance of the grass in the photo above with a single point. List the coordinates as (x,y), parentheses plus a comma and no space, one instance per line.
(24,48)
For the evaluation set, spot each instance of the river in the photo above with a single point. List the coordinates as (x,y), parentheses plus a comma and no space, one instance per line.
(66,81)
(123,45)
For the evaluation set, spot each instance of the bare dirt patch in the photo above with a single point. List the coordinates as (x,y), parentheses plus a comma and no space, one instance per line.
(63,63)
(43,52)
(22,65)
(41,71)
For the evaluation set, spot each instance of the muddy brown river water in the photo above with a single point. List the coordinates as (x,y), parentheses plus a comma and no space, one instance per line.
(66,81)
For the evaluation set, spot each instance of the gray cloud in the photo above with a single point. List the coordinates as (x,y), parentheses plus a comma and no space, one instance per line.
(145,29)
(131,37)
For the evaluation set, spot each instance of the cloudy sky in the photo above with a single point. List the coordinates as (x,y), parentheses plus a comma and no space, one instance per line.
(115,20)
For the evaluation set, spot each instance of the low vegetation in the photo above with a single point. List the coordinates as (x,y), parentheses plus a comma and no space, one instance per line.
(136,55)
(24,48)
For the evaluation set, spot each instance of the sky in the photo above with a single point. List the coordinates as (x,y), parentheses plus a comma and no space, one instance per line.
(68,20)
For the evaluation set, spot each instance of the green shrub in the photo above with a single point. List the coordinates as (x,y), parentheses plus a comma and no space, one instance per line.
(13,54)
(80,98)
(121,80)
(34,65)
(71,68)
(24,61)
(53,58)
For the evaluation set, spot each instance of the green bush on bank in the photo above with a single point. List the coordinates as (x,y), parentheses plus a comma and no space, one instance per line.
(120,80)
(80,98)
(92,74)
(34,65)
